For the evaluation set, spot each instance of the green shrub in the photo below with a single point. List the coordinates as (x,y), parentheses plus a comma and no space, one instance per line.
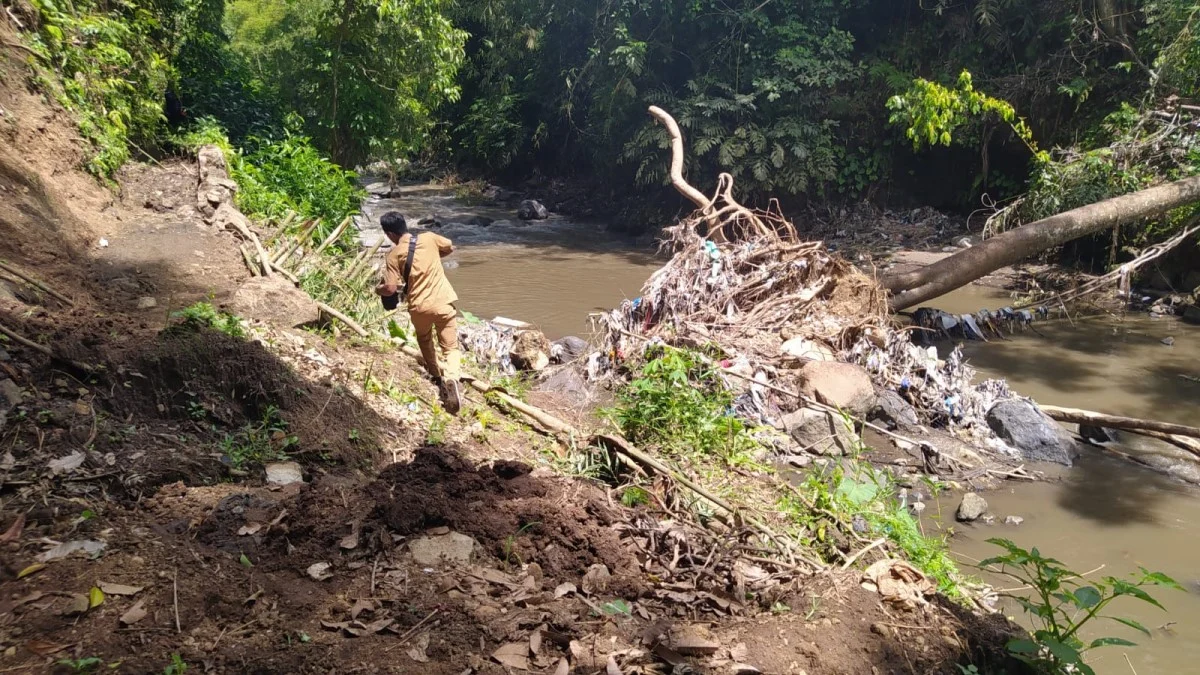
(105,63)
(678,404)
(204,315)
(277,176)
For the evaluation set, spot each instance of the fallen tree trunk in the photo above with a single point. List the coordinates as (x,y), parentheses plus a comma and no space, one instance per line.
(1075,416)
(912,288)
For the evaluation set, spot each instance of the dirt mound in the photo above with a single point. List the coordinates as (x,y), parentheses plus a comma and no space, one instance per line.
(518,517)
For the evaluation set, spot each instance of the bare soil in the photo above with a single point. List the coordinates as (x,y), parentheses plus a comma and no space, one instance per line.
(123,438)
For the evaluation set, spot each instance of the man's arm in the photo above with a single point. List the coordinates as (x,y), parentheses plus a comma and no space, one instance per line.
(391,276)
(445,246)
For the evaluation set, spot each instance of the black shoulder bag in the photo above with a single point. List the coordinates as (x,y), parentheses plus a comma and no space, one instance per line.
(393,301)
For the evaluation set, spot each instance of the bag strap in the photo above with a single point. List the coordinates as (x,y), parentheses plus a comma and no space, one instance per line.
(412,251)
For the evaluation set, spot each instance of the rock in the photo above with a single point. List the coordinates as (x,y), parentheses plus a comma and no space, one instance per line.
(1191,314)
(568,349)
(10,394)
(1038,438)
(379,189)
(1099,436)
(842,385)
(320,571)
(530,351)
(228,217)
(147,303)
(429,222)
(1168,341)
(964,242)
(569,385)
(1013,520)
(820,432)
(531,209)
(274,300)
(971,508)
(803,349)
(480,221)
(215,187)
(452,548)
(284,473)
(892,410)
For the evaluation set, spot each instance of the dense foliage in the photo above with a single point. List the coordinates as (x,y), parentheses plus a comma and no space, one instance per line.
(1046,105)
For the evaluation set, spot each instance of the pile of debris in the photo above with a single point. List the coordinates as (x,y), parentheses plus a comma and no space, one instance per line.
(772,304)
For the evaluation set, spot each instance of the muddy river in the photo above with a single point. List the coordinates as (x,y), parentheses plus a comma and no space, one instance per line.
(1104,512)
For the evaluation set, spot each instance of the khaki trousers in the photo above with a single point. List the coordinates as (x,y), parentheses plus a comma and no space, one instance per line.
(443,326)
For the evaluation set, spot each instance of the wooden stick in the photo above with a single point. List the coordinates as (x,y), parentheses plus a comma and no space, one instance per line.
(249,259)
(365,259)
(39,284)
(1076,416)
(253,238)
(290,248)
(335,235)
(873,545)
(17,337)
(362,332)
(175,593)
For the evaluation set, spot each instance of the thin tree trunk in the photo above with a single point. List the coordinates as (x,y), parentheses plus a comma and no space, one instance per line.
(962,268)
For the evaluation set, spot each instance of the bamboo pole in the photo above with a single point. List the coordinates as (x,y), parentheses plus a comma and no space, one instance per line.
(253,238)
(1076,416)
(362,332)
(290,248)
(39,284)
(335,235)
(254,272)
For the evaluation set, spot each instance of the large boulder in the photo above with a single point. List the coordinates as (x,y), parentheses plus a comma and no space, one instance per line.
(971,508)
(1191,313)
(531,209)
(844,386)
(1037,437)
(530,351)
(820,432)
(892,410)
(568,349)
(274,300)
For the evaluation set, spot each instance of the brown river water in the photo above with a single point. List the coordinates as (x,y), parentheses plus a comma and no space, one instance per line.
(1103,512)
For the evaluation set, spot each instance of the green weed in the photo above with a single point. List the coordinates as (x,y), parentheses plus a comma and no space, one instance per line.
(509,547)
(203,315)
(678,404)
(84,665)
(261,442)
(176,667)
(1061,603)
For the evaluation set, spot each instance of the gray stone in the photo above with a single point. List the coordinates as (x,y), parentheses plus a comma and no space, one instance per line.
(284,473)
(844,386)
(568,385)
(274,300)
(10,394)
(147,303)
(1037,437)
(1013,520)
(1191,314)
(971,508)
(1168,341)
(436,550)
(531,209)
(894,411)
(820,432)
(568,349)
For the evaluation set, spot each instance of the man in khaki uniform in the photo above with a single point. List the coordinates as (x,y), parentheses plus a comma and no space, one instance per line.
(430,298)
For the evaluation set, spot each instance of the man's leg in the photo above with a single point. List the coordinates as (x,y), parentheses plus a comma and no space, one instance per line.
(451,368)
(423,325)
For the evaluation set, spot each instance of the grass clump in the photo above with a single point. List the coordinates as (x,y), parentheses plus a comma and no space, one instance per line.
(677,403)
(255,444)
(203,315)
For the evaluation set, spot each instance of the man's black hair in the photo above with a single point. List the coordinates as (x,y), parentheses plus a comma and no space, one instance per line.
(394,223)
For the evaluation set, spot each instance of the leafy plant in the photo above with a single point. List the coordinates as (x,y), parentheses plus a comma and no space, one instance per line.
(259,443)
(509,547)
(678,403)
(1061,603)
(83,665)
(177,666)
(204,315)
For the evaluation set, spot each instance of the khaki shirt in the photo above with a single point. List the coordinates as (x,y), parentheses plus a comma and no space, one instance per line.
(428,288)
